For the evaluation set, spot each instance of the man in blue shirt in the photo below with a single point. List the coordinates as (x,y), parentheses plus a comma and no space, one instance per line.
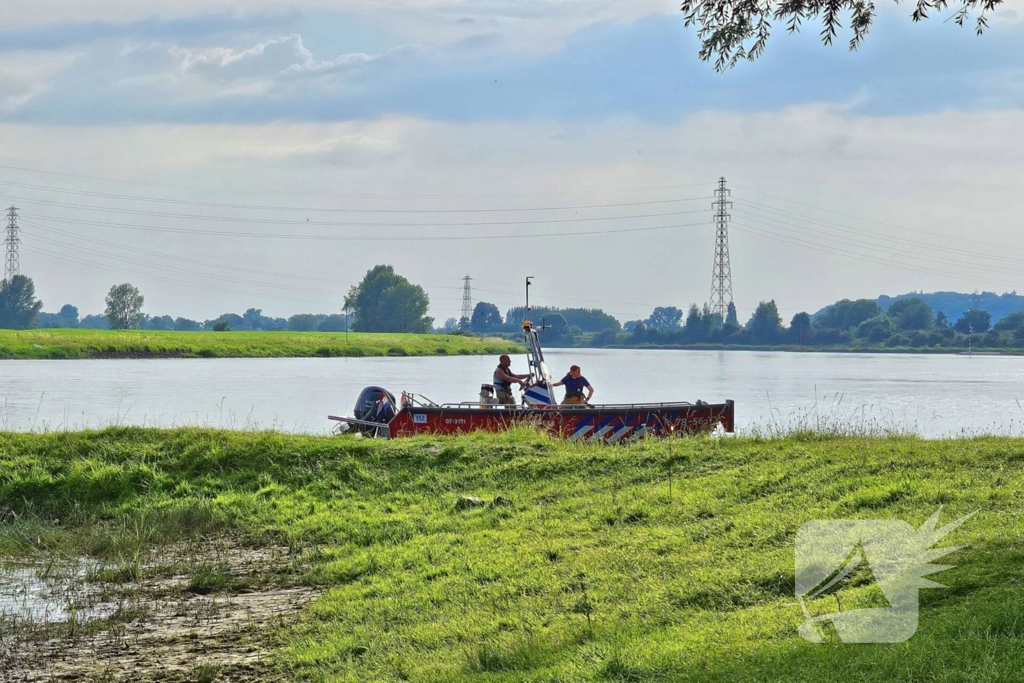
(574,384)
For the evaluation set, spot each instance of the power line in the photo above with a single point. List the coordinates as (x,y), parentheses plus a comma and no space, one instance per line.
(290,193)
(373,238)
(363,224)
(913,255)
(263,207)
(867,220)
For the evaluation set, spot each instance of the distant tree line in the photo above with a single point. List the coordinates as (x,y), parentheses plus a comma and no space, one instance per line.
(384,301)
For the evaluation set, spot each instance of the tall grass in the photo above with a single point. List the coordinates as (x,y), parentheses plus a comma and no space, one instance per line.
(658,561)
(62,344)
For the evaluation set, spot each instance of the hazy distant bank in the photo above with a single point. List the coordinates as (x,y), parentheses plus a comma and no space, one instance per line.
(73,344)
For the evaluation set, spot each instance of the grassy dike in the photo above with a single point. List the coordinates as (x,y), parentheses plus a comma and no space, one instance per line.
(57,344)
(658,561)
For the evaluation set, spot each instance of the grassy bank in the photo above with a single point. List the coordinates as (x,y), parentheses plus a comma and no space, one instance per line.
(42,344)
(660,561)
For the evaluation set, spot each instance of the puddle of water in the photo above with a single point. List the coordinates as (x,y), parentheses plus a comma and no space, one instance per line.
(50,592)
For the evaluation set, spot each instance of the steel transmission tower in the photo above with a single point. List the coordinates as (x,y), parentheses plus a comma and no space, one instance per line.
(467,298)
(721,272)
(12,264)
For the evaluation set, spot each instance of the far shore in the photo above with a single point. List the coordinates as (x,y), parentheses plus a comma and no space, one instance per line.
(64,344)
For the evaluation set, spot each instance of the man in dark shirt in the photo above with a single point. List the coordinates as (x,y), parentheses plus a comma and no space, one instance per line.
(503,379)
(574,384)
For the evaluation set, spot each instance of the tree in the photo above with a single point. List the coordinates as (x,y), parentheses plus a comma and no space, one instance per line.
(19,307)
(186,325)
(221,326)
(766,324)
(1010,323)
(94,322)
(844,314)
(730,315)
(731,30)
(333,323)
(303,322)
(232,320)
(124,307)
(486,318)
(911,314)
(451,325)
(665,318)
(799,327)
(253,319)
(66,318)
(386,302)
(557,332)
(941,321)
(876,329)
(161,322)
(974,320)
(68,315)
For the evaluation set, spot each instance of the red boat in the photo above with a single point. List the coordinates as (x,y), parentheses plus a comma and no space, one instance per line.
(378,414)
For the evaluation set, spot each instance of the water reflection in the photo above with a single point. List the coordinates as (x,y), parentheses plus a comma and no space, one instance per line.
(933,395)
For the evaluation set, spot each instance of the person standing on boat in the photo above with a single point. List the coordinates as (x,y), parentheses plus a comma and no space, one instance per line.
(574,384)
(503,379)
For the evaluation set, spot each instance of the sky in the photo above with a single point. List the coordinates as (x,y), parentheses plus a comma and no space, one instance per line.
(224,155)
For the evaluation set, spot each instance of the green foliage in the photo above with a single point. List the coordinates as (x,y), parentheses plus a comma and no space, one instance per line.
(587,319)
(124,307)
(486,318)
(1010,323)
(386,302)
(876,329)
(973,321)
(83,343)
(730,316)
(844,314)
(600,569)
(221,326)
(765,324)
(303,322)
(333,323)
(910,314)
(665,318)
(732,30)
(19,307)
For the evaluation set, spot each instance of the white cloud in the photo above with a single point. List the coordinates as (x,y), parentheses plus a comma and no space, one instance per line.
(26,75)
(919,172)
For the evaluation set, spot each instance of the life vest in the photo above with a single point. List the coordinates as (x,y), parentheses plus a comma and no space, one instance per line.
(499,383)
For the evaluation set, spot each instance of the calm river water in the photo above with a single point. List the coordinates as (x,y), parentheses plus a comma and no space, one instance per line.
(931,395)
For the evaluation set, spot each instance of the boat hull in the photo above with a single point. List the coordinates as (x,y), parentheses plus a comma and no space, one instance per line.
(575,423)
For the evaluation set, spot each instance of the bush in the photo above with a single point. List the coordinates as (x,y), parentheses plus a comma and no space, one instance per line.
(221,326)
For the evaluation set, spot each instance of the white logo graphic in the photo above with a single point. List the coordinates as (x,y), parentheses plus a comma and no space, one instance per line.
(895,553)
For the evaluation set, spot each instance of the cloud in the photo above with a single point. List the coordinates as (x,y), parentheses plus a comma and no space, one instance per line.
(460,72)
(26,75)
(920,171)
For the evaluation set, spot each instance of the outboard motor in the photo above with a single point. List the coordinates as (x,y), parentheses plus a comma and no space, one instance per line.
(375,405)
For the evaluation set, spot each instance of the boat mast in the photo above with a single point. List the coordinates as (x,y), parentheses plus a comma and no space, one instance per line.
(539,391)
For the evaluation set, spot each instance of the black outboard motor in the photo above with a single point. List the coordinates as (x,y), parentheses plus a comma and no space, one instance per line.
(375,405)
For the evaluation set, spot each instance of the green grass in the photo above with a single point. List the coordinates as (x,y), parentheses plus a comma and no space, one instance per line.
(659,561)
(45,344)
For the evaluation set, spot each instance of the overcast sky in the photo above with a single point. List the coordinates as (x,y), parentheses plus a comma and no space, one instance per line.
(223,155)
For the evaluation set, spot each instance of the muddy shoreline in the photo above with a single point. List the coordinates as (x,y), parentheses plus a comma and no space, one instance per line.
(191,612)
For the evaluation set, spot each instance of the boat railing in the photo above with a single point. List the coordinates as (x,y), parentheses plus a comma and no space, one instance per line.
(578,406)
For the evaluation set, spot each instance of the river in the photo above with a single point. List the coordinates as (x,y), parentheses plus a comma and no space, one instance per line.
(931,395)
